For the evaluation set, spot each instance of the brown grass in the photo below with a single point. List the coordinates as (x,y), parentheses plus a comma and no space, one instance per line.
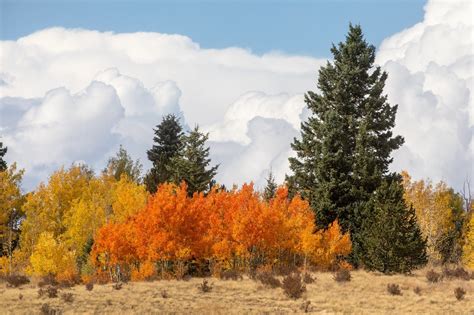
(366,293)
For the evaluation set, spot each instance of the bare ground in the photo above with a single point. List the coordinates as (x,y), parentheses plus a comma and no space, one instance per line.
(366,293)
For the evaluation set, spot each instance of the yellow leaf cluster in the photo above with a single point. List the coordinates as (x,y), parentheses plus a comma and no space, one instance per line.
(71,207)
(50,257)
(468,249)
(433,207)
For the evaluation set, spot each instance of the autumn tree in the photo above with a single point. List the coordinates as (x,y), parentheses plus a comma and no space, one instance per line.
(11,200)
(128,198)
(192,163)
(468,248)
(51,256)
(3,163)
(324,248)
(87,213)
(122,163)
(47,208)
(232,229)
(167,144)
(440,215)
(72,206)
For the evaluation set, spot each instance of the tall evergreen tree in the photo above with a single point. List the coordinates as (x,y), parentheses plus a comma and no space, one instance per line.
(270,188)
(392,239)
(3,163)
(346,144)
(191,164)
(167,144)
(122,163)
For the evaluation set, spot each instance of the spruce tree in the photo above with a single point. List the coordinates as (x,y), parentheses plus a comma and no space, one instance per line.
(121,164)
(392,239)
(191,164)
(345,148)
(167,144)
(270,188)
(3,163)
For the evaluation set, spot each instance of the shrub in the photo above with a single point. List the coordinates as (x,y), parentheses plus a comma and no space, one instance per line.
(14,281)
(267,279)
(230,274)
(307,278)
(68,278)
(306,306)
(164,294)
(342,275)
(394,289)
(20,297)
(67,297)
(48,280)
(117,285)
(180,270)
(50,292)
(459,293)
(459,273)
(205,286)
(417,290)
(48,310)
(89,286)
(293,286)
(433,276)
(284,270)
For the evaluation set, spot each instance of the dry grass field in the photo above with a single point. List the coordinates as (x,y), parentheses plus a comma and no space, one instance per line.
(366,293)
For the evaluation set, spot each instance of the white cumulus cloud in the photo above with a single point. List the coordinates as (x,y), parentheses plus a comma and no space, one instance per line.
(71,95)
(431,69)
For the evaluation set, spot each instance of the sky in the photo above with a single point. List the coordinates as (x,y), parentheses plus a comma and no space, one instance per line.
(79,78)
(296,27)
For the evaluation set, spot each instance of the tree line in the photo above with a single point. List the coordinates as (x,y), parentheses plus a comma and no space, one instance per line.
(339,207)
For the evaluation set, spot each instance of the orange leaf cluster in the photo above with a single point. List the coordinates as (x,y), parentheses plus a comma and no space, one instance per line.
(221,226)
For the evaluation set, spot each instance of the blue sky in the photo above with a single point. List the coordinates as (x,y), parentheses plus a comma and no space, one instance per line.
(295,27)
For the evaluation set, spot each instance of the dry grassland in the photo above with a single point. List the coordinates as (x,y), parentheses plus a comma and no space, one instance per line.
(366,293)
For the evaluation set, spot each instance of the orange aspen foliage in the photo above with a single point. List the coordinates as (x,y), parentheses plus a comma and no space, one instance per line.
(146,271)
(171,226)
(221,226)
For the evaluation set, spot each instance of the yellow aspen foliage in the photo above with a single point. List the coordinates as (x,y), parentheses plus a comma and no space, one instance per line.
(88,213)
(47,208)
(74,204)
(468,248)
(50,257)
(434,209)
(10,195)
(128,199)
(11,200)
(13,264)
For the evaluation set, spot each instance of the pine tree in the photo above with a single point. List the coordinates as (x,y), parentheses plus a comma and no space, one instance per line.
(191,164)
(271,187)
(345,146)
(3,163)
(122,163)
(392,239)
(168,143)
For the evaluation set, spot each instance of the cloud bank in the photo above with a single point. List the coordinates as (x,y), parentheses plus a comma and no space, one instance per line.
(431,69)
(71,95)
